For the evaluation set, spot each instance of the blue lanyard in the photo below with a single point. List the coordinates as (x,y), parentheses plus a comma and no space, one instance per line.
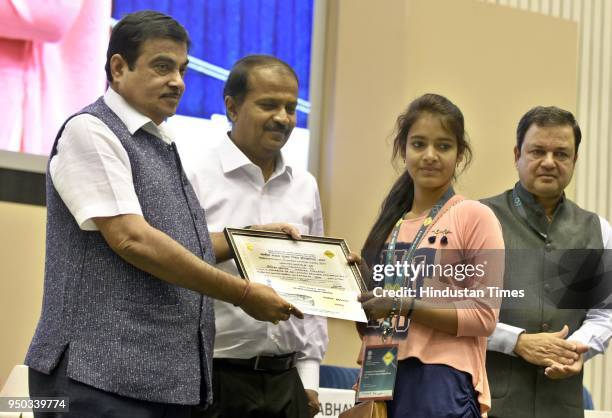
(392,281)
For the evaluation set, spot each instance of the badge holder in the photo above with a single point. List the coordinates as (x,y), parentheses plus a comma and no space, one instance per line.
(378,373)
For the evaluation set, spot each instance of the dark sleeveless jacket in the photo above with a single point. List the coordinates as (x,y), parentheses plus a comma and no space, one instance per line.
(518,388)
(126,331)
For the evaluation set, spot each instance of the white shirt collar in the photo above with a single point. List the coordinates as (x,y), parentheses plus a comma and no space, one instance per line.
(133,119)
(232,158)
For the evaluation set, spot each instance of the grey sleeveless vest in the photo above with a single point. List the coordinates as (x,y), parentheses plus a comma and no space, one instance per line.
(126,331)
(518,388)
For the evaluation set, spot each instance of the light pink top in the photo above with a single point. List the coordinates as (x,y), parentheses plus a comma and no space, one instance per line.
(52,55)
(473,227)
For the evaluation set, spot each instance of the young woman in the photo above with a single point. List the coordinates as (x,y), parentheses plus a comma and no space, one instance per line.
(441,349)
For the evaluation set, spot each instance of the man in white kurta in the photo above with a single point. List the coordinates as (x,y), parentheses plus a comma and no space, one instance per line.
(244,180)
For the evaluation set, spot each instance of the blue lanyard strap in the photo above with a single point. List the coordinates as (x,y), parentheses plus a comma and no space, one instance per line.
(393,281)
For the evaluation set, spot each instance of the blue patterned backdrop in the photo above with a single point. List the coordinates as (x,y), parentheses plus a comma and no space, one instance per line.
(222,31)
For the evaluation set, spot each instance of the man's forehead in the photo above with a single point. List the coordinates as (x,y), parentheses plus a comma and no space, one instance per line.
(165,46)
(559,135)
(270,76)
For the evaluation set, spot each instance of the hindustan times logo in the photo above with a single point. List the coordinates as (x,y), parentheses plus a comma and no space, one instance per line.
(458,272)
(448,293)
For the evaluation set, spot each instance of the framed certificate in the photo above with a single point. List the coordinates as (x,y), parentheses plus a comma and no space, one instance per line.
(312,273)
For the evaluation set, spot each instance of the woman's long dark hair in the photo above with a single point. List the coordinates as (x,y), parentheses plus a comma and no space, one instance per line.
(400,198)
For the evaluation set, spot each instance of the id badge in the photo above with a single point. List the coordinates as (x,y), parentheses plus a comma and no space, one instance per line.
(378,373)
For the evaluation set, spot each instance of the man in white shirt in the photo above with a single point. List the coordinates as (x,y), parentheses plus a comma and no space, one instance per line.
(126,327)
(260,369)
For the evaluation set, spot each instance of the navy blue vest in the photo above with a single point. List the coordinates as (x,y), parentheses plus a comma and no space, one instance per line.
(126,331)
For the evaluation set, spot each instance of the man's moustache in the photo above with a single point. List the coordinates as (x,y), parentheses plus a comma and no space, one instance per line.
(283,131)
(175,95)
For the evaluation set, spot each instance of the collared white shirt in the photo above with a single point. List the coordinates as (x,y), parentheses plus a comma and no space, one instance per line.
(595,331)
(91,170)
(233,193)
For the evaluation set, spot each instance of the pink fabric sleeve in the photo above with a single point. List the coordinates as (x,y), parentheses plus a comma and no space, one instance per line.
(483,243)
(37,20)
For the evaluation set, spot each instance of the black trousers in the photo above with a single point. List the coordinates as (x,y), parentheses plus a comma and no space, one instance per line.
(88,402)
(241,392)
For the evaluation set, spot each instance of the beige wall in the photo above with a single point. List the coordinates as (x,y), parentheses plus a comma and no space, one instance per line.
(22,253)
(493,62)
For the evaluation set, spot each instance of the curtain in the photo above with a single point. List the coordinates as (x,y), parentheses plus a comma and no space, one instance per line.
(222,31)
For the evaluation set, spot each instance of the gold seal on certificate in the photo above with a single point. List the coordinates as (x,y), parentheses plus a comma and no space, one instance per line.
(312,273)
